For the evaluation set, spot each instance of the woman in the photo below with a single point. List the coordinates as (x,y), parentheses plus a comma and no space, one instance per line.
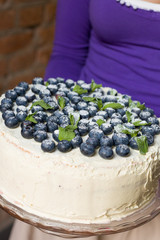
(116,43)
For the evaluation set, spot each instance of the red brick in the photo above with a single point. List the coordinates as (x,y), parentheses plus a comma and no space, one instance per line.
(22,61)
(3,68)
(7,19)
(43,55)
(50,12)
(28,1)
(15,42)
(45,35)
(31,16)
(2,1)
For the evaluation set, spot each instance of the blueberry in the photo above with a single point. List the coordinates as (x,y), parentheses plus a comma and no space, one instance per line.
(76,99)
(97,95)
(40,126)
(148,129)
(80,82)
(106,128)
(38,80)
(120,138)
(60,80)
(116,116)
(149,110)
(27,131)
(44,93)
(106,152)
(71,95)
(92,104)
(133,143)
(129,125)
(48,145)
(64,146)
(52,118)
(110,98)
(53,105)
(153,120)
(84,114)
(82,129)
(60,93)
(124,118)
(123,101)
(92,125)
(93,141)
(156,128)
(115,121)
(40,135)
(82,105)
(53,89)
(40,116)
(56,135)
(61,85)
(76,141)
(30,96)
(5,107)
(7,114)
(12,122)
(96,133)
(20,91)
(87,150)
(122,150)
(106,141)
(26,124)
(121,111)
(110,111)
(96,118)
(11,94)
(6,101)
(24,85)
(21,116)
(47,99)
(21,109)
(36,109)
(150,138)
(58,113)
(144,115)
(103,114)
(92,111)
(52,126)
(69,83)
(52,81)
(37,88)
(136,110)
(64,120)
(21,101)
(86,86)
(84,121)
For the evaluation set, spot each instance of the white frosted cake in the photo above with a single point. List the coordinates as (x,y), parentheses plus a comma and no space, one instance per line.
(45,172)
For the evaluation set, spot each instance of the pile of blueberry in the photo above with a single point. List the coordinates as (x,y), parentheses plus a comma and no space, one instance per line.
(96,126)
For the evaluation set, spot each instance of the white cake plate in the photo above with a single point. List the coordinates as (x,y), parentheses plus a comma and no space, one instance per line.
(73,230)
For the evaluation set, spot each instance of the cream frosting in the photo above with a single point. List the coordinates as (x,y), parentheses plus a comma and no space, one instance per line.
(72,187)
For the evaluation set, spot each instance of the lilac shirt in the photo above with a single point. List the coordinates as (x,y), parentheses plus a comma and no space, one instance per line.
(111,43)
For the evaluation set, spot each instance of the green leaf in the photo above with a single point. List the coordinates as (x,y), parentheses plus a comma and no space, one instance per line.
(142,144)
(78,89)
(46,84)
(100,122)
(66,134)
(133,104)
(122,129)
(98,101)
(141,106)
(42,103)
(31,118)
(94,86)
(72,121)
(140,123)
(61,102)
(113,105)
(128,114)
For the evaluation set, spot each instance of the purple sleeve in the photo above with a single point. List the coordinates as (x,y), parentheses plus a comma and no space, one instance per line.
(71,41)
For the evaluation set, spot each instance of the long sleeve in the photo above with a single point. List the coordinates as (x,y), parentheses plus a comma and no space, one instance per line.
(71,43)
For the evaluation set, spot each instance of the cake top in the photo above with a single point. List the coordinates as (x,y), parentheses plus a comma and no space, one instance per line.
(65,115)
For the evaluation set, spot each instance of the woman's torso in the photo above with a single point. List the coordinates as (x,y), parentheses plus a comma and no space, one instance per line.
(125,50)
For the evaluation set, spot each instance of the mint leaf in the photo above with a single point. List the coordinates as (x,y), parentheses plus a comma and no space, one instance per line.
(97,101)
(140,123)
(31,118)
(72,121)
(133,104)
(142,144)
(100,122)
(43,104)
(128,114)
(46,84)
(113,105)
(122,129)
(61,102)
(94,86)
(66,134)
(78,89)
(141,106)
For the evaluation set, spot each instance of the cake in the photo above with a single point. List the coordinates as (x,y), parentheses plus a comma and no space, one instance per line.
(77,152)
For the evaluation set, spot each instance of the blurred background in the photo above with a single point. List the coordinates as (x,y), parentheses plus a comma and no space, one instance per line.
(26,41)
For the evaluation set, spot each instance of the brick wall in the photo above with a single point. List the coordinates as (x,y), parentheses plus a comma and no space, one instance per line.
(26,38)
